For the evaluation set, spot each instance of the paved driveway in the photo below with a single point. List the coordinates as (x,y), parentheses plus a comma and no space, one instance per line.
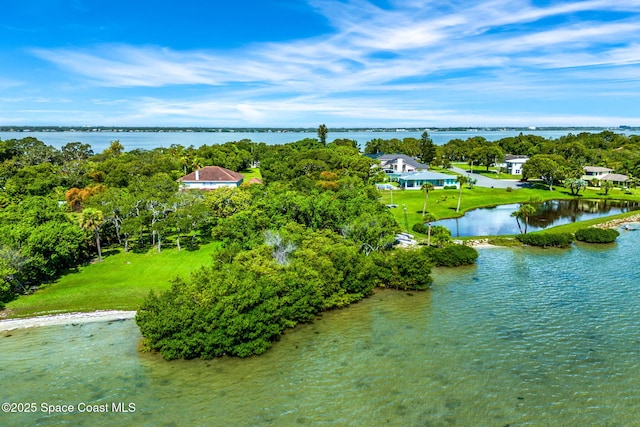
(483,181)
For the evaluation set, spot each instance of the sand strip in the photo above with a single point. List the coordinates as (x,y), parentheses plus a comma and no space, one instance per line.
(65,319)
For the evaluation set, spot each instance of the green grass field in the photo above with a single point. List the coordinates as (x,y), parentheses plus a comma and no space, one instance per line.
(123,280)
(120,282)
(482,170)
(251,173)
(442,203)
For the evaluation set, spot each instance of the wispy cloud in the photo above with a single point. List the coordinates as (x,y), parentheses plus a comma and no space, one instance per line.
(438,50)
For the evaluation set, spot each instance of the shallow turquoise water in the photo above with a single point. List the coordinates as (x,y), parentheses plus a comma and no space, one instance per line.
(525,338)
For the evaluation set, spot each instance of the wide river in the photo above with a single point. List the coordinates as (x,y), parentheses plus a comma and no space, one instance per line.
(527,337)
(149,140)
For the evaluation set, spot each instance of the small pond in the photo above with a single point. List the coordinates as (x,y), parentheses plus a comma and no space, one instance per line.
(498,221)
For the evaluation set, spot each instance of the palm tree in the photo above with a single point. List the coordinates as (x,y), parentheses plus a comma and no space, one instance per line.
(633,183)
(427,186)
(461,180)
(428,218)
(92,219)
(575,185)
(196,163)
(322,133)
(524,212)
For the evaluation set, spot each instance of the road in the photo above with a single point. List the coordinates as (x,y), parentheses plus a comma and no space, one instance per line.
(484,181)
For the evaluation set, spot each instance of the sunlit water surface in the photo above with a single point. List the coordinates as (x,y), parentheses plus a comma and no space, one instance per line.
(525,338)
(497,220)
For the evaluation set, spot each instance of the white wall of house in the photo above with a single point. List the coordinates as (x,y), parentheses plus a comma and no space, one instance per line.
(208,185)
(514,166)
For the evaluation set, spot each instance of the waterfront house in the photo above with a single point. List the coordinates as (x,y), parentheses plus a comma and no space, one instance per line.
(598,174)
(414,180)
(399,163)
(513,164)
(210,178)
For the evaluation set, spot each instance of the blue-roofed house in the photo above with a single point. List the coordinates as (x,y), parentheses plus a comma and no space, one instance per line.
(414,180)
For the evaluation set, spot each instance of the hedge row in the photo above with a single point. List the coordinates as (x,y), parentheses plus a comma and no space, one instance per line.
(451,255)
(559,240)
(597,235)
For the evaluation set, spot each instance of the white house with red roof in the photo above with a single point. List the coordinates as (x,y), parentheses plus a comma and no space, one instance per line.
(210,178)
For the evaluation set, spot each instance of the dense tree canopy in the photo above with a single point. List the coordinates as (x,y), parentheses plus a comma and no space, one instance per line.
(313,237)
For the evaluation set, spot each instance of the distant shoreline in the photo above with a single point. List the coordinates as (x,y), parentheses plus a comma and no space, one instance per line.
(65,319)
(223,129)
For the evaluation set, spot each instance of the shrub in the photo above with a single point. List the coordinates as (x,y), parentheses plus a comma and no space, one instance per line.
(420,228)
(503,241)
(597,235)
(560,240)
(452,255)
(450,187)
(402,269)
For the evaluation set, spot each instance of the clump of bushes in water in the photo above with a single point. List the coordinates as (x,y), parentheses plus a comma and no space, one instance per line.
(559,240)
(402,269)
(248,298)
(451,255)
(597,235)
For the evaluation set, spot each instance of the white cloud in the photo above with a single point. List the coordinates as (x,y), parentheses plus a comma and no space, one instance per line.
(382,63)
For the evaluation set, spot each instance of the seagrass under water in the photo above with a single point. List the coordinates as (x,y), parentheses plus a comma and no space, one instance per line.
(525,338)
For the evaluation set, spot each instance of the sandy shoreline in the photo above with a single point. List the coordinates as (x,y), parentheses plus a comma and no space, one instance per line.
(65,319)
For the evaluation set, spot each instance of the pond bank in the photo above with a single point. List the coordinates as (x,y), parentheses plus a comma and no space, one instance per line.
(619,221)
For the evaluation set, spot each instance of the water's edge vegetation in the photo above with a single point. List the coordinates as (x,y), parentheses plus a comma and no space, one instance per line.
(313,236)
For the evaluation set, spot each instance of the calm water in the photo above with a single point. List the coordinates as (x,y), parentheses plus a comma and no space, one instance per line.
(149,140)
(525,338)
(497,221)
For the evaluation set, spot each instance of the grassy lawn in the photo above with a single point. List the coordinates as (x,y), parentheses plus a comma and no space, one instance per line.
(251,173)
(120,282)
(442,203)
(482,170)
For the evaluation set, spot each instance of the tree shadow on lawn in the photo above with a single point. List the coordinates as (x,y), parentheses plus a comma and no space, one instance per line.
(110,252)
(568,193)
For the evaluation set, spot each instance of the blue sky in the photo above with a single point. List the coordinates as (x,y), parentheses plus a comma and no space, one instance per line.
(347,63)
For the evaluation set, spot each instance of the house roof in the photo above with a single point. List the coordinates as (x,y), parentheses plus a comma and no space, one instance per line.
(617,177)
(212,173)
(389,158)
(516,160)
(425,176)
(515,156)
(597,169)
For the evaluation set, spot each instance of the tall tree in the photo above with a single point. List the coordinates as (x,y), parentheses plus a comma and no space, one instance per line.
(487,155)
(606,186)
(427,186)
(461,180)
(524,212)
(115,149)
(322,133)
(92,219)
(428,218)
(427,149)
(575,185)
(548,168)
(633,183)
